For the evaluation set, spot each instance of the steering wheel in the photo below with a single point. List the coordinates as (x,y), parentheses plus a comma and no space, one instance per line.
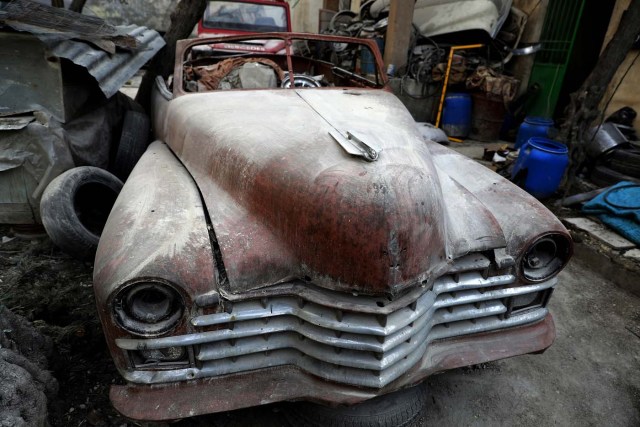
(299,80)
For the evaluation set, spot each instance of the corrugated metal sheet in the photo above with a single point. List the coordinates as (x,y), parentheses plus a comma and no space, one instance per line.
(111,71)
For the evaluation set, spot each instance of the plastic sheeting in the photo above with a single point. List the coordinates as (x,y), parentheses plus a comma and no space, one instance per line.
(31,157)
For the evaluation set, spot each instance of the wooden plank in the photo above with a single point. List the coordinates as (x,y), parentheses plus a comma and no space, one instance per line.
(398,32)
(331,5)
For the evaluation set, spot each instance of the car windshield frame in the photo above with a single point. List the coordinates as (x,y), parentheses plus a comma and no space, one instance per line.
(379,78)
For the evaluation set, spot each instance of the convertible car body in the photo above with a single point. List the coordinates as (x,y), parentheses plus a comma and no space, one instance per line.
(291,236)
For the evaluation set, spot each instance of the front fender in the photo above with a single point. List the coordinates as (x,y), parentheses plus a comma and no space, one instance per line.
(157,229)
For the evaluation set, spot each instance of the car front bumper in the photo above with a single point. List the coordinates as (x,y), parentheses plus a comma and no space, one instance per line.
(176,400)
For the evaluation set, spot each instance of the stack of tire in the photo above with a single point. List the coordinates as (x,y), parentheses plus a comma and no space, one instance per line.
(621,164)
(614,150)
(76,204)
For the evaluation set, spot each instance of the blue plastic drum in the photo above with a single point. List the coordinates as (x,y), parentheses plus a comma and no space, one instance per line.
(456,115)
(532,127)
(540,166)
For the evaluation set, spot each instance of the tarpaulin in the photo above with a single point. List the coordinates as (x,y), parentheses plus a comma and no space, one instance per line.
(619,209)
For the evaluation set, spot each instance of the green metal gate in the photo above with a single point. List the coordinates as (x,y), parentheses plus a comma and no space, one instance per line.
(558,36)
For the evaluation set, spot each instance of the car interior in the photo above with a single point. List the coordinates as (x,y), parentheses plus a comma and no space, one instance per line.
(314,64)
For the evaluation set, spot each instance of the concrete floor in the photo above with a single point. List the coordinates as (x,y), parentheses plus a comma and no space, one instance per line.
(589,377)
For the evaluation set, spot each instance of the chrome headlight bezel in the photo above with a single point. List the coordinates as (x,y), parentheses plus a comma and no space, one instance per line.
(545,257)
(148,308)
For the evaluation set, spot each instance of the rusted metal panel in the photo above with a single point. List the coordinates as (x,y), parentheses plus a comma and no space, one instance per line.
(112,71)
(187,399)
(522,218)
(278,187)
(36,80)
(30,81)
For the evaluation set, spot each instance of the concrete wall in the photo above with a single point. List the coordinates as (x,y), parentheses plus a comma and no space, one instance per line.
(304,15)
(623,91)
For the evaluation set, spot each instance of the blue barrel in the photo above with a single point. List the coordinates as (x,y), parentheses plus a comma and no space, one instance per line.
(367,59)
(456,115)
(540,166)
(533,126)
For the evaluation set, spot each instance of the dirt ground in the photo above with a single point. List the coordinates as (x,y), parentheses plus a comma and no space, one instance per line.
(589,377)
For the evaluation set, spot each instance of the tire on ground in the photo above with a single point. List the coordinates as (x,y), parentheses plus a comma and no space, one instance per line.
(391,410)
(625,161)
(604,176)
(75,207)
(133,142)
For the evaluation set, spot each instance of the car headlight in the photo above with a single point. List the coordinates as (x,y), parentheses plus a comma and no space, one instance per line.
(545,257)
(148,308)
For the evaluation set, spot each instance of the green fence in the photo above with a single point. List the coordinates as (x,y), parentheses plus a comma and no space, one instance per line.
(550,66)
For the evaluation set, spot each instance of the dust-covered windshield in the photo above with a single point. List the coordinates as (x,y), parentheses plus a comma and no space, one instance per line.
(241,16)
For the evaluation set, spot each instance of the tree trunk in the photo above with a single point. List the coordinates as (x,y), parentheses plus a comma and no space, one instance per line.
(57,3)
(583,109)
(183,19)
(77,5)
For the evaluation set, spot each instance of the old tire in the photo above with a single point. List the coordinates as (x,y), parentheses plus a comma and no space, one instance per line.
(75,207)
(625,161)
(391,410)
(133,142)
(604,176)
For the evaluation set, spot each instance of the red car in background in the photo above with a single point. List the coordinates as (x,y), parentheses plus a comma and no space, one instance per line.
(237,17)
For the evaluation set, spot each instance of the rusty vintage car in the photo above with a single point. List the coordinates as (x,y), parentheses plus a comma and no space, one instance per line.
(290,236)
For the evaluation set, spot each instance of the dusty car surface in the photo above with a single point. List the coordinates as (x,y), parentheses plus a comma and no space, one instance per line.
(291,236)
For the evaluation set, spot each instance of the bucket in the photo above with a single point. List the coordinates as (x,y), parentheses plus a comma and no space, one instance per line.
(540,166)
(456,115)
(531,127)
(487,118)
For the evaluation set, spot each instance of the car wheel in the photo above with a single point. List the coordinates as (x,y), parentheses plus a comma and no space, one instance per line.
(133,142)
(75,207)
(391,410)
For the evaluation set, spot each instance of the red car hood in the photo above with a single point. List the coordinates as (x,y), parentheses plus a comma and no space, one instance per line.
(286,201)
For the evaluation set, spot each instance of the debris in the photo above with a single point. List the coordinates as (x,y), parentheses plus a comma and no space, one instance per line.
(493,83)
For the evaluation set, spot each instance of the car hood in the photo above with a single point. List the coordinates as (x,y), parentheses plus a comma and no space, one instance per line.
(287,201)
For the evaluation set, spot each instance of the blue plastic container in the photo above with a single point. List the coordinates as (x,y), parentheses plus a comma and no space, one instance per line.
(532,127)
(540,166)
(456,115)
(368,60)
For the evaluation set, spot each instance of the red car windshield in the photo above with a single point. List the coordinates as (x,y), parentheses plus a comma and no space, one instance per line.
(240,16)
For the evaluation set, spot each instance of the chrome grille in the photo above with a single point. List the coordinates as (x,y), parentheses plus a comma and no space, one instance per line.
(345,338)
